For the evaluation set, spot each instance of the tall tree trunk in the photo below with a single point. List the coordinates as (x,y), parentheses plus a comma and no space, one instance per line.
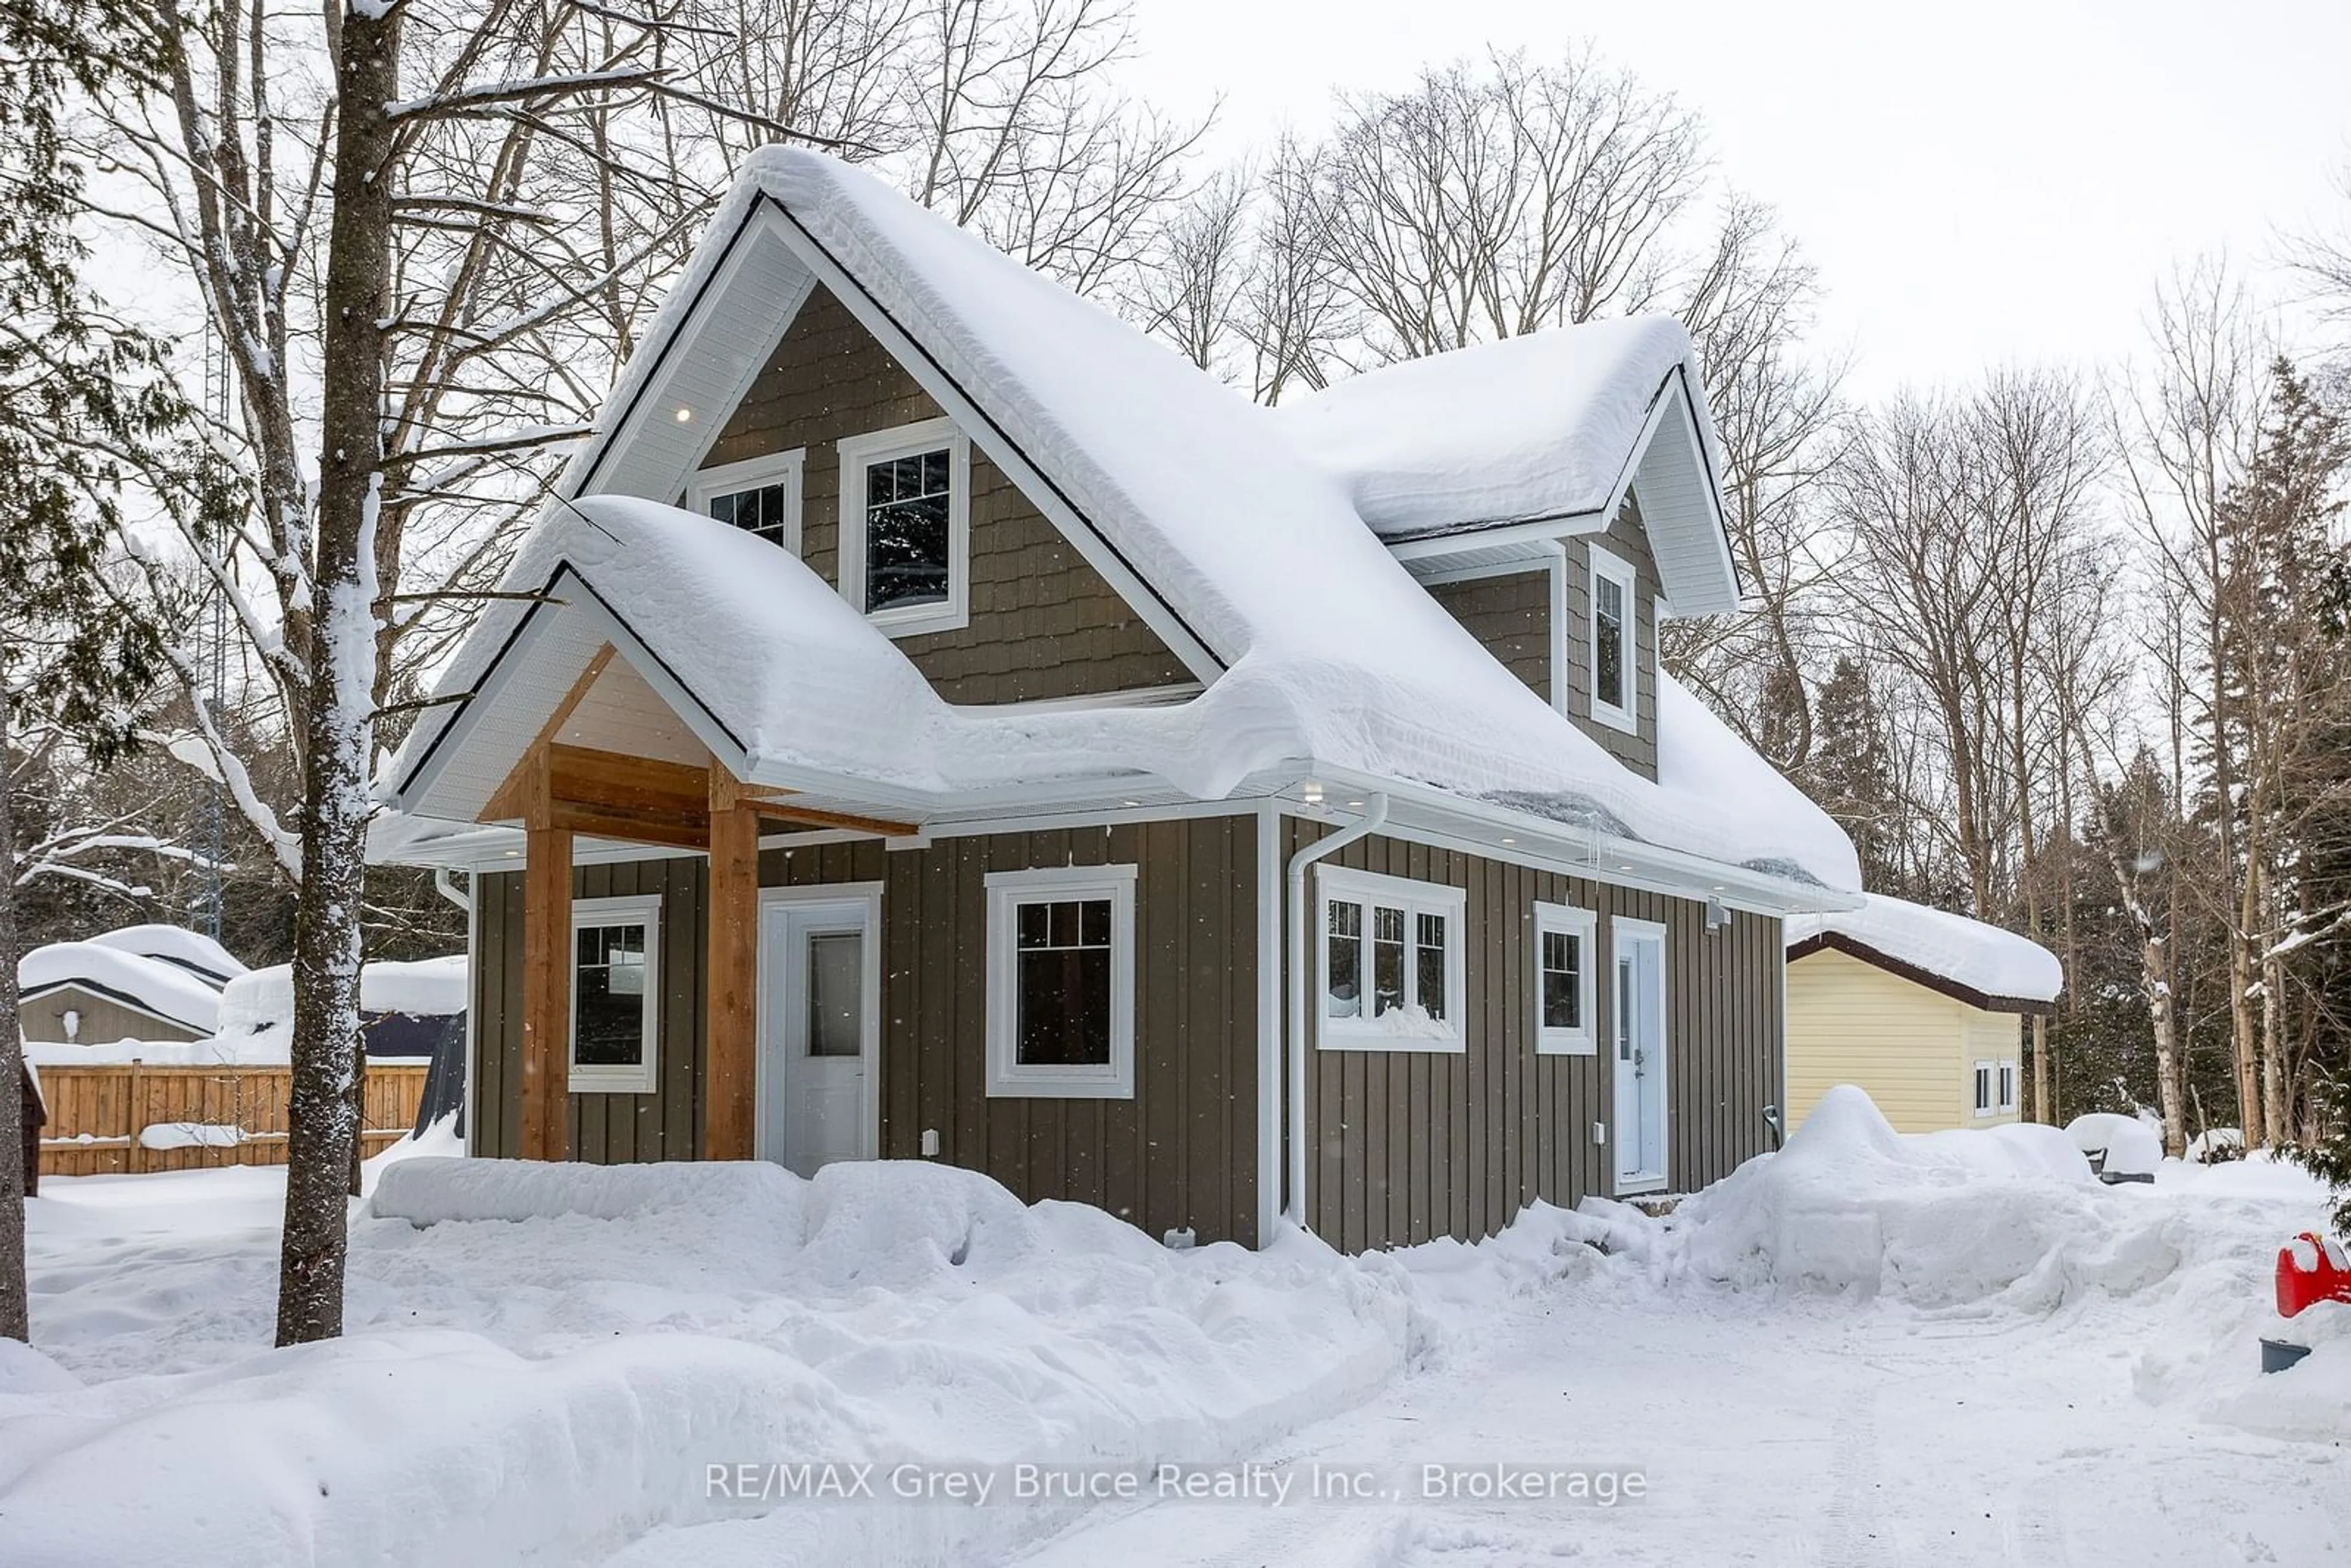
(16,1313)
(338,725)
(2277,1067)
(2243,1030)
(2171,1068)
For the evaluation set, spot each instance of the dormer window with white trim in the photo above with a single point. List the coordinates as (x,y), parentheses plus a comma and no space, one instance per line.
(1391,963)
(905,526)
(759,495)
(1615,641)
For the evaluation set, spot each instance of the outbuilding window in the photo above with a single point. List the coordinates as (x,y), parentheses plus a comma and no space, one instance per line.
(760,496)
(1615,641)
(2006,1086)
(1562,974)
(1061,976)
(1391,966)
(615,991)
(1983,1088)
(905,526)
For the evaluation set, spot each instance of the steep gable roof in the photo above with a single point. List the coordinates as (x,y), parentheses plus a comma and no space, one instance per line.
(1539,430)
(1330,653)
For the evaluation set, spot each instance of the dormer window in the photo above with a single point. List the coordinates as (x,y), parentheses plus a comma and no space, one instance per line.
(905,526)
(760,496)
(1614,640)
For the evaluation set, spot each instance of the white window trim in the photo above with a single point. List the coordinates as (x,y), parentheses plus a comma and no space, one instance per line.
(858,453)
(1337,884)
(1620,571)
(1983,1087)
(645,1077)
(1583,925)
(1007,892)
(785,468)
(2004,1087)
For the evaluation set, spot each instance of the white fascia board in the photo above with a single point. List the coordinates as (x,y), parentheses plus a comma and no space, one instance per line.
(1673,419)
(1203,662)
(1530,534)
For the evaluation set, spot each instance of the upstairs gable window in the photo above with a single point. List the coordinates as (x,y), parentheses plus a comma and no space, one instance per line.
(905,526)
(760,496)
(1615,640)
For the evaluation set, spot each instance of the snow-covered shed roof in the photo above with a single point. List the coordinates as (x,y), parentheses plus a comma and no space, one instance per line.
(152,985)
(1981,964)
(1320,648)
(191,950)
(1548,428)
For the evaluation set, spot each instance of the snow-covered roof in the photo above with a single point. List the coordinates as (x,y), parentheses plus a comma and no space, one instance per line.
(1332,655)
(163,990)
(1997,968)
(191,950)
(1544,428)
(263,998)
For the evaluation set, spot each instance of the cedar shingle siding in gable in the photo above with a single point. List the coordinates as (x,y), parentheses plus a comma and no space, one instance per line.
(1043,622)
(1511,616)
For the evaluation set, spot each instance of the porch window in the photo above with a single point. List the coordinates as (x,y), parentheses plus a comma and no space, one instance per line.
(1562,974)
(615,991)
(760,496)
(1060,946)
(1983,1088)
(2006,1086)
(1391,963)
(905,526)
(1615,640)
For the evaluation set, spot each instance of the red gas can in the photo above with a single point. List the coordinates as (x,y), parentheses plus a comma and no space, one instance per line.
(2311,1269)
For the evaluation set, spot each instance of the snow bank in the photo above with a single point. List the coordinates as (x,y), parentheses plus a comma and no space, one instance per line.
(175,944)
(162,989)
(626,1328)
(1850,1205)
(428,988)
(1998,964)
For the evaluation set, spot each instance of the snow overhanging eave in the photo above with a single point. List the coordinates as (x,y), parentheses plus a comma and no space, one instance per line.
(1591,853)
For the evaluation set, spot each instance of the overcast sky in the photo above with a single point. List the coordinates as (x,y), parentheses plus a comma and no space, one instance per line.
(2004,184)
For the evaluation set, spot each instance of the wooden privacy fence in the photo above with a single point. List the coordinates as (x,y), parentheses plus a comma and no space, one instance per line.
(122,1116)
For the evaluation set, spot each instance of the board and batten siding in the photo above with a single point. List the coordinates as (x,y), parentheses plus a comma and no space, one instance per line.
(1180,1154)
(1913,1049)
(1510,616)
(1407,1146)
(1043,624)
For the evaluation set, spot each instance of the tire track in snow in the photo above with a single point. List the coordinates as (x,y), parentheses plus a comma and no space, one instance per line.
(1853,1536)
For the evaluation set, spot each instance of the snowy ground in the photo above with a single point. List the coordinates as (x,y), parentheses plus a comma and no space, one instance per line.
(1866,1350)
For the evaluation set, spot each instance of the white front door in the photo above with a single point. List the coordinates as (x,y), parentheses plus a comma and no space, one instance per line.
(1639,1032)
(819,1027)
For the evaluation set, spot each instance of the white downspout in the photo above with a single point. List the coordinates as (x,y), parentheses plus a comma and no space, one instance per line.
(1371,821)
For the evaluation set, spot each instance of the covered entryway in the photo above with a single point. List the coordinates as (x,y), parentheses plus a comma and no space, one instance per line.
(1639,1058)
(819,1026)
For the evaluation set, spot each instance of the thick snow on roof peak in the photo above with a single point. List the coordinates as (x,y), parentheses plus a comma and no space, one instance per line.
(1984,958)
(1529,428)
(192,950)
(160,986)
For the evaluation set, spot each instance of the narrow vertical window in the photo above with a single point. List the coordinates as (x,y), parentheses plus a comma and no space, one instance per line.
(1429,950)
(1387,960)
(1563,999)
(1343,984)
(1983,1089)
(615,983)
(1615,640)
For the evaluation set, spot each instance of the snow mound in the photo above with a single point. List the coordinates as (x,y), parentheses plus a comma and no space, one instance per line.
(427,988)
(436,1190)
(191,950)
(1998,965)
(2131,1146)
(1939,1220)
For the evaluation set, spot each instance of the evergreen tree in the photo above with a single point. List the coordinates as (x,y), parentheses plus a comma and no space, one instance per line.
(76,393)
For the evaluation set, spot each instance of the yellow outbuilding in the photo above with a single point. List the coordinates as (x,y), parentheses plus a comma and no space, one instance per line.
(1923,1009)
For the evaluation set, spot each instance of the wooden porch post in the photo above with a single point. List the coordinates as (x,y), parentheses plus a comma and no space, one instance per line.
(547,994)
(732,1013)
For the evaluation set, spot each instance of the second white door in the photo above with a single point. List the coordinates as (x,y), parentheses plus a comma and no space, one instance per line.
(1639,1063)
(819,1027)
